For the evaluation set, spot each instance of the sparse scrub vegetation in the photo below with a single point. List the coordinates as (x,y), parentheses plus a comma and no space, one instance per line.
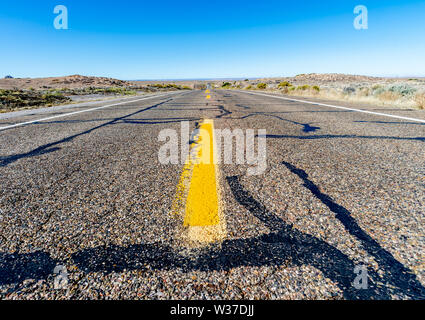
(403,93)
(25,93)
(15,99)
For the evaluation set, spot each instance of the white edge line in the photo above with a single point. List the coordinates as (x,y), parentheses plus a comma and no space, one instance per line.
(338,107)
(82,111)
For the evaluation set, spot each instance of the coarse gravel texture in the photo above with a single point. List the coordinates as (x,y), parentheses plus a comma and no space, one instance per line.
(87,192)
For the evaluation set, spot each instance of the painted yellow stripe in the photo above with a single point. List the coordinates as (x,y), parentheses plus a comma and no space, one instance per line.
(202,199)
(198,191)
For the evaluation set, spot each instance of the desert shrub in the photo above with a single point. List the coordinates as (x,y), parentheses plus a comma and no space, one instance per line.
(249,87)
(291,89)
(226,85)
(349,90)
(403,90)
(316,88)
(284,84)
(420,100)
(378,91)
(262,86)
(365,92)
(304,87)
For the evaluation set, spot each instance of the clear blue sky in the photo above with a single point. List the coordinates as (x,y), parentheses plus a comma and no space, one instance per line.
(211,39)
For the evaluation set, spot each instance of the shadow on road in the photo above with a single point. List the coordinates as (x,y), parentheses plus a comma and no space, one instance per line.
(283,246)
(52,147)
(392,122)
(348,136)
(307,127)
(395,273)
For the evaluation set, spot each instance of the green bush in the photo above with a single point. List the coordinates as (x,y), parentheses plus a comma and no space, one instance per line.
(403,90)
(261,86)
(316,88)
(226,85)
(284,84)
(349,90)
(304,87)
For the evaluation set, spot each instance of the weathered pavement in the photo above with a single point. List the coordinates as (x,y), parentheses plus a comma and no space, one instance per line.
(87,191)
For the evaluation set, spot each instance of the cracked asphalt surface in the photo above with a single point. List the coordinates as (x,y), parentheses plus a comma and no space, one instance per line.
(87,192)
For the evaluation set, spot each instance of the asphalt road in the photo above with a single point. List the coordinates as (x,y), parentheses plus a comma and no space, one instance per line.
(86,192)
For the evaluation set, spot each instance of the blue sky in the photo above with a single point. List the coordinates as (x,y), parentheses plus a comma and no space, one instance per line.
(211,39)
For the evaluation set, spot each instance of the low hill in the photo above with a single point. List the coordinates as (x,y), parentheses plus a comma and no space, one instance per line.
(69,82)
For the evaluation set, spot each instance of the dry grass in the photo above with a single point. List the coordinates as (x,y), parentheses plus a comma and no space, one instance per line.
(389,96)
(386,98)
(420,100)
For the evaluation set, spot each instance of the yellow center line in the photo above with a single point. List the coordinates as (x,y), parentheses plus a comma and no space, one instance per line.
(198,191)
(202,199)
